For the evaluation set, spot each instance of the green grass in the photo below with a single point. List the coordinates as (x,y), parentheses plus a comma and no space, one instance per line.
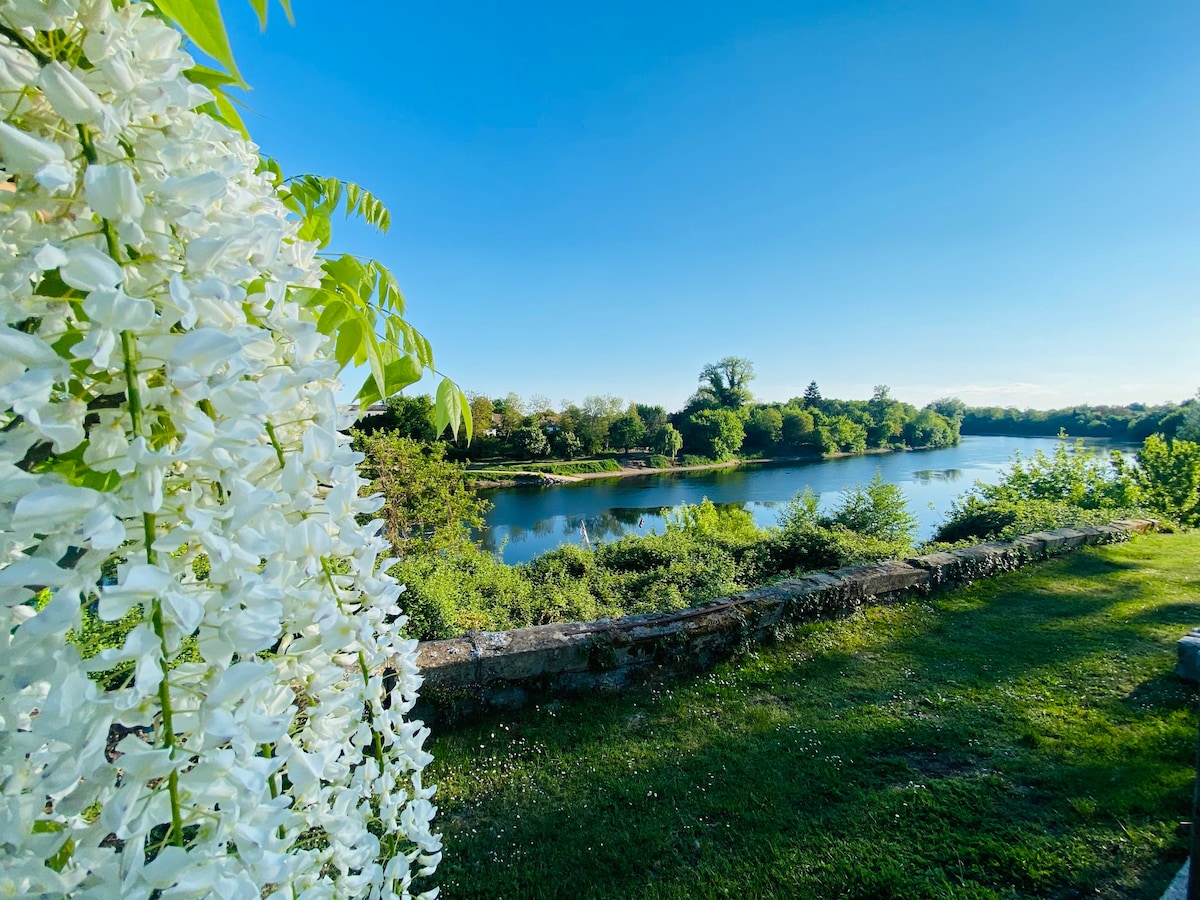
(555,468)
(1023,737)
(578,468)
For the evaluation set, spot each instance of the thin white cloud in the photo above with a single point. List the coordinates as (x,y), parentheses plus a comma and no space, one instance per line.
(1016,388)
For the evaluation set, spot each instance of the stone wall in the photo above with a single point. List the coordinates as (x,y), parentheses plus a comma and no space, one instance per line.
(487,669)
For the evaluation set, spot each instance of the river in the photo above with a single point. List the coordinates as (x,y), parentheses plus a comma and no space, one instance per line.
(526,521)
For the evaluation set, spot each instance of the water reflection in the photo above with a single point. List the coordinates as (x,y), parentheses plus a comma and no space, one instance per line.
(925,476)
(528,520)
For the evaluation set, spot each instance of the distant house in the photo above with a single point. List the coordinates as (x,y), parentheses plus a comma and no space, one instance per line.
(375,409)
(497,424)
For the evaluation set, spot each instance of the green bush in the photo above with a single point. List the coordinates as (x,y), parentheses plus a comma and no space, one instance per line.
(1072,486)
(690,459)
(1168,474)
(878,510)
(869,523)
(667,571)
(658,461)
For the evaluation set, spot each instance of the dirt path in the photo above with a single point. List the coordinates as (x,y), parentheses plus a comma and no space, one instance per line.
(492,478)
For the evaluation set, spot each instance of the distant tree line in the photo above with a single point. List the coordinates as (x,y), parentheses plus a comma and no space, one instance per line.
(1133,423)
(720,421)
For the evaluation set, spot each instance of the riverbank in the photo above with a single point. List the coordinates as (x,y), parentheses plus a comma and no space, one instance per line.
(523,524)
(519,477)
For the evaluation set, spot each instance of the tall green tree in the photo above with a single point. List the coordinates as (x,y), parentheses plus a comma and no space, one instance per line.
(930,429)
(512,412)
(726,382)
(1189,428)
(668,441)
(529,442)
(950,408)
(482,409)
(715,433)
(627,431)
(764,428)
(653,417)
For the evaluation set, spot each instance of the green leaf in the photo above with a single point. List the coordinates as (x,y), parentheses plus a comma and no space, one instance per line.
(332,315)
(210,78)
(346,270)
(201,23)
(316,228)
(451,409)
(332,189)
(468,423)
(260,7)
(424,349)
(375,360)
(393,332)
(389,291)
(368,393)
(229,114)
(349,339)
(402,372)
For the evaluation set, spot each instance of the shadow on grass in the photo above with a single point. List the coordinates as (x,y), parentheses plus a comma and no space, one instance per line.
(986,745)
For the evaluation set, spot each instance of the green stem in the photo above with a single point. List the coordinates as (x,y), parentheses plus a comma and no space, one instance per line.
(110,233)
(275,443)
(21,41)
(149,526)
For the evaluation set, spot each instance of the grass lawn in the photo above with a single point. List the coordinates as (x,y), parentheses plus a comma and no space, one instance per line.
(1023,737)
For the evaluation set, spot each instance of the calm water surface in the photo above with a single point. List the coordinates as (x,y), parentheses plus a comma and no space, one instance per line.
(526,521)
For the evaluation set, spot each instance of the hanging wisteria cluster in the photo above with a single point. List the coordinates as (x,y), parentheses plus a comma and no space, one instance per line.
(167,402)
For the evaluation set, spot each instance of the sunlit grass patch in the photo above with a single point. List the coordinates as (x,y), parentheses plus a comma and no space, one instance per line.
(1023,737)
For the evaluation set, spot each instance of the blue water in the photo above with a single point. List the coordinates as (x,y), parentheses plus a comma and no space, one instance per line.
(526,521)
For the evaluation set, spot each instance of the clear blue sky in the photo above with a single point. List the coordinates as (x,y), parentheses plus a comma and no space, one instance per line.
(995,200)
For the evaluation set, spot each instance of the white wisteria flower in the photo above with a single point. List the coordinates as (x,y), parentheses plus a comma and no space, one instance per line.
(170,457)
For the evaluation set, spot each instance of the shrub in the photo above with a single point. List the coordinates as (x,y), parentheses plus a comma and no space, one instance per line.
(1072,486)
(1168,474)
(658,461)
(878,510)
(870,522)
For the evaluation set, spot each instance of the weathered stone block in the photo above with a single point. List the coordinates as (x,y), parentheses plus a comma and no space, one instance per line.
(932,562)
(1140,526)
(1187,651)
(1109,533)
(527,652)
(878,579)
(1091,534)
(1053,540)
(1074,537)
(450,663)
(1029,546)
(816,595)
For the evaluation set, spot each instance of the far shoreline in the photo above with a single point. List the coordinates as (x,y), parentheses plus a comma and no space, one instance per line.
(534,478)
